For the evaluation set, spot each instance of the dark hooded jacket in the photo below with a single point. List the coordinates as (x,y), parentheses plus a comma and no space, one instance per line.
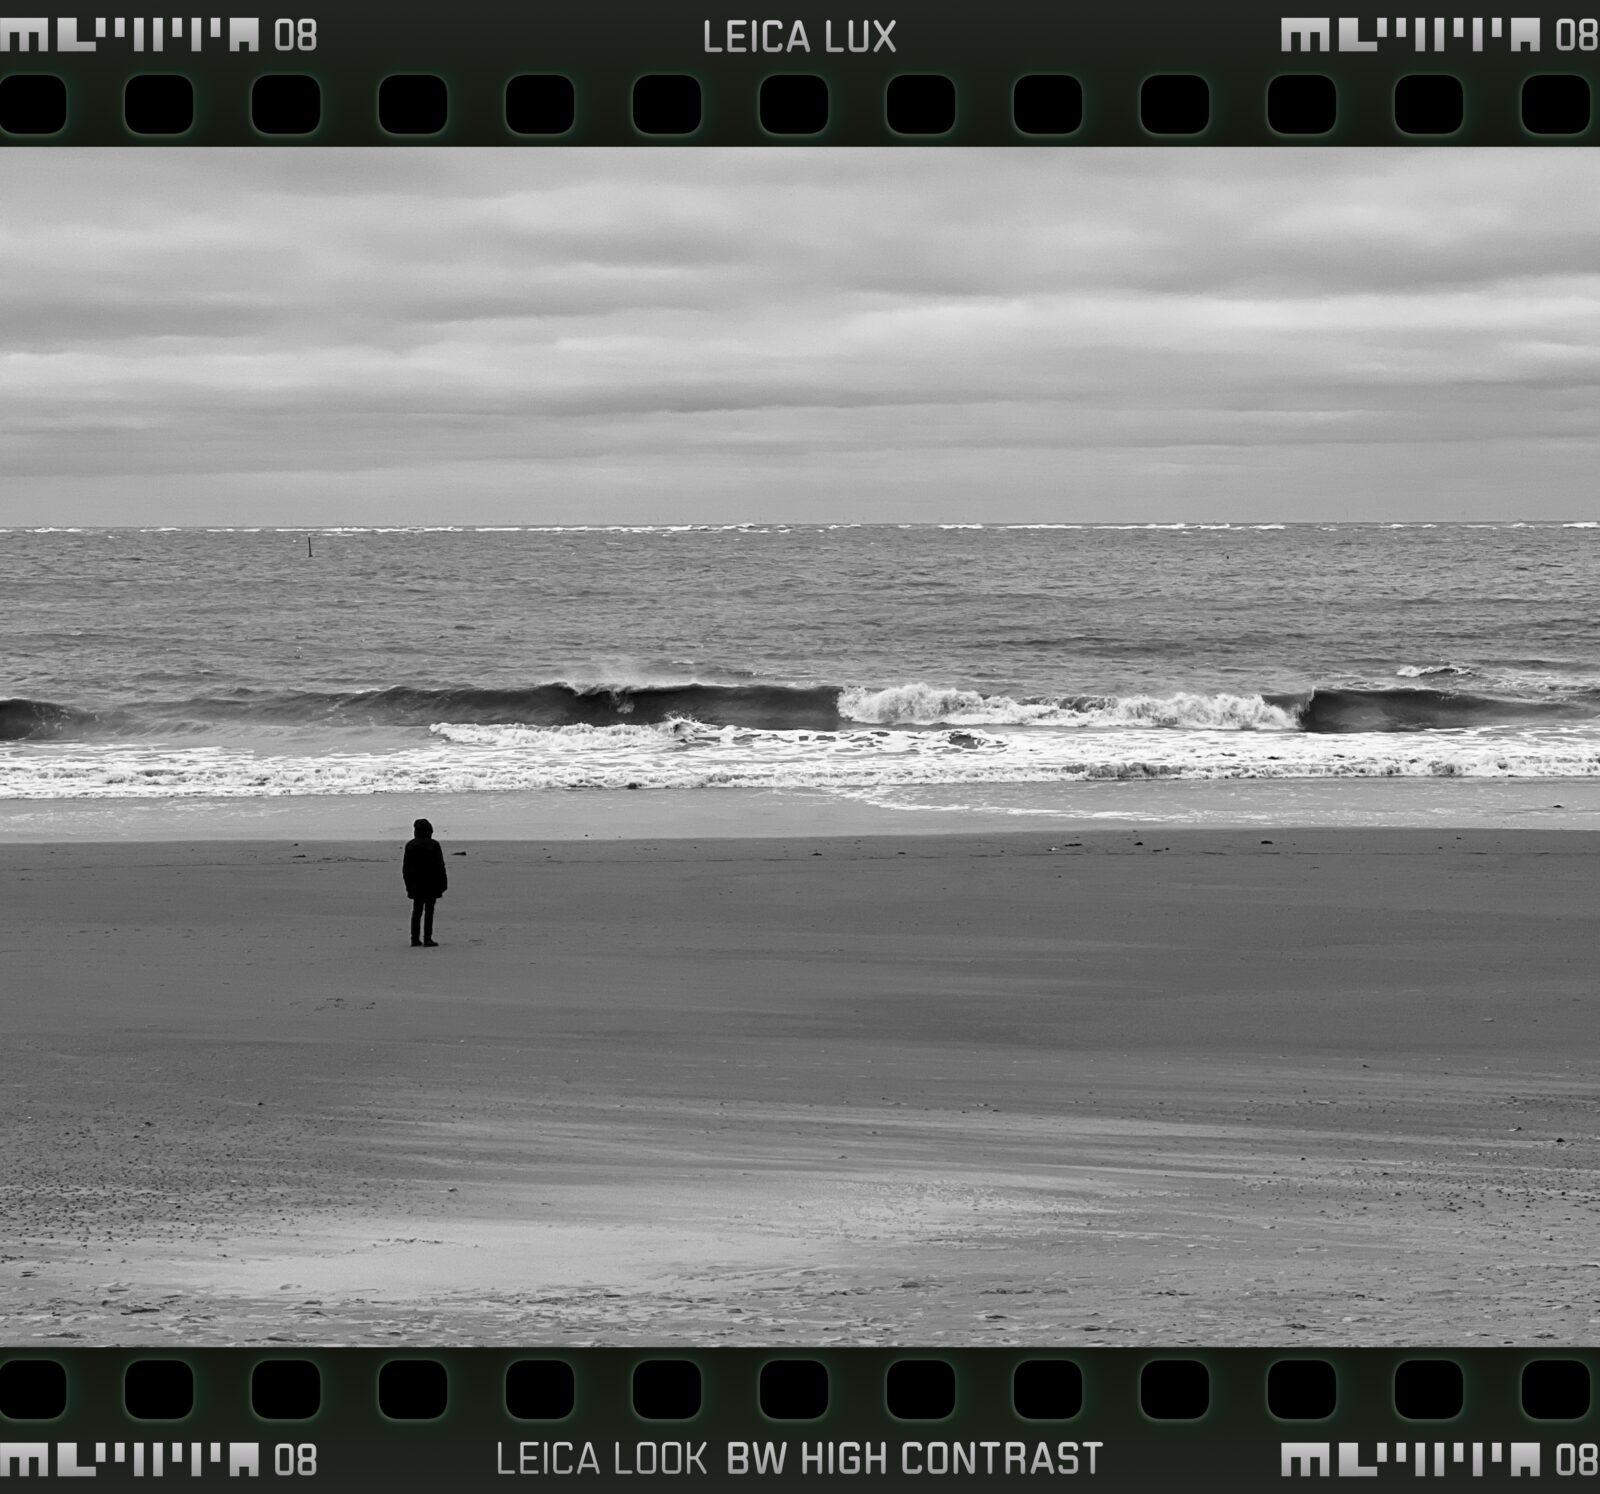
(423,867)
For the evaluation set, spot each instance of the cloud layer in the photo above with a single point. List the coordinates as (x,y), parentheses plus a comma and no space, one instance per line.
(672,336)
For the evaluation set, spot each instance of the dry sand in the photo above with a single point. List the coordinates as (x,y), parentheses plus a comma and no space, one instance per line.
(1225,1087)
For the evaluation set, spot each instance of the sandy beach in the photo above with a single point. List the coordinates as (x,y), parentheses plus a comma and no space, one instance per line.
(1113,1086)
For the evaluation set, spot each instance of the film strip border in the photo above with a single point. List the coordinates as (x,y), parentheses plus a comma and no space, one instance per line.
(419,108)
(922,108)
(465,1419)
(1007,73)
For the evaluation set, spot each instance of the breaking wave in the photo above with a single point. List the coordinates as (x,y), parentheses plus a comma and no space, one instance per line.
(1354,710)
(776,706)
(783,707)
(927,705)
(23,720)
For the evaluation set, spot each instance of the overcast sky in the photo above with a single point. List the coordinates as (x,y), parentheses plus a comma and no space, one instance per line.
(501,337)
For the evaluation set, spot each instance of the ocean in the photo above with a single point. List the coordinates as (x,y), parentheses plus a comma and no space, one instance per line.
(882,664)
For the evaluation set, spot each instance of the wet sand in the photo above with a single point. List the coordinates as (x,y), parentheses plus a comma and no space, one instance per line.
(1210,1086)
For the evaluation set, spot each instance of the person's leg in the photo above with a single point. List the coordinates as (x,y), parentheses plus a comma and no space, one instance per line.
(416,920)
(427,922)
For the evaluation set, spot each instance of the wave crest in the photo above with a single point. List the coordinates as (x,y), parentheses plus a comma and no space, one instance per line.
(931,705)
(1422,710)
(766,706)
(25,720)
(1423,671)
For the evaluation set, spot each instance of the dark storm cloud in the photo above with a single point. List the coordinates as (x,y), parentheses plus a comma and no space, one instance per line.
(663,336)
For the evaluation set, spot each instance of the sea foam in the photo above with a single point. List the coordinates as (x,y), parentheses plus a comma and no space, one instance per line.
(468,757)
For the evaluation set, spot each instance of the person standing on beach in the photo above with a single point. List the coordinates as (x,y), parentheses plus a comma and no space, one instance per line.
(423,870)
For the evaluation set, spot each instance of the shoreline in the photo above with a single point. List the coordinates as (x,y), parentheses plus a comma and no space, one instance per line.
(1321,1086)
(736,813)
